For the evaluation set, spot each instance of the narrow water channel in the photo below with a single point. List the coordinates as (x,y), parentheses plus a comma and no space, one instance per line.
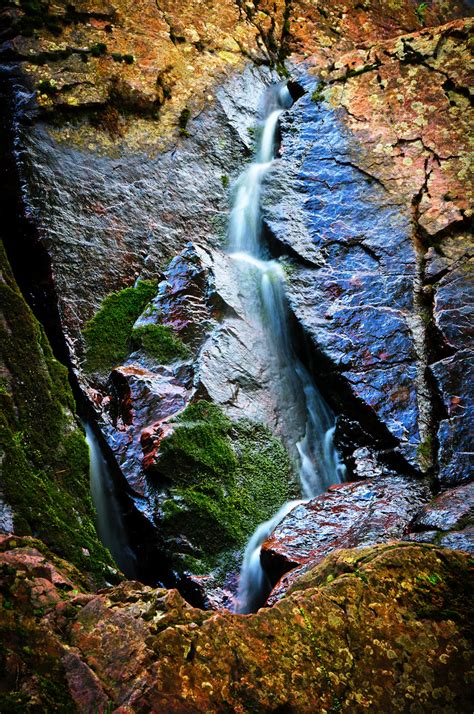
(109,522)
(262,281)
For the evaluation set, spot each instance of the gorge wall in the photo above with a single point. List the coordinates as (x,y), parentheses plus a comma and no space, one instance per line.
(125,126)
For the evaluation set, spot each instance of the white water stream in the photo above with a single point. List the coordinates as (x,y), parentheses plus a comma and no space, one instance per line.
(319,462)
(110,527)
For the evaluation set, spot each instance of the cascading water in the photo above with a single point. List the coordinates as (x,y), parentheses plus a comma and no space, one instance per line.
(263,281)
(110,527)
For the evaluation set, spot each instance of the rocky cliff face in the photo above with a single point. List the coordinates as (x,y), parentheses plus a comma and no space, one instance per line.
(125,126)
(371,196)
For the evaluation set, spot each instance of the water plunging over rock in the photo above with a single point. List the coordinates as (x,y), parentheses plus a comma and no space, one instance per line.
(109,524)
(263,282)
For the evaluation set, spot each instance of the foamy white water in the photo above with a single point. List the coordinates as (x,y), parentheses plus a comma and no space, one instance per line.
(320,465)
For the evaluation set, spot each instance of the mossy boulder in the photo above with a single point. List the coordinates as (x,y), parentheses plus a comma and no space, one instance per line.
(160,342)
(45,475)
(219,479)
(381,629)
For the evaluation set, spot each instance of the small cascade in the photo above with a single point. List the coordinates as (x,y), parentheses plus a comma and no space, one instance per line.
(254,584)
(263,281)
(110,526)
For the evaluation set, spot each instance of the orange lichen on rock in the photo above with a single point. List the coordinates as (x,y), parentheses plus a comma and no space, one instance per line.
(406,101)
(378,628)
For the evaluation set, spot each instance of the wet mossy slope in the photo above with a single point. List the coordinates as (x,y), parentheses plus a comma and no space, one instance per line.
(223,478)
(45,458)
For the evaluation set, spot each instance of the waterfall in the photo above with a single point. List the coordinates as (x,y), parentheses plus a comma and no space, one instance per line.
(264,281)
(109,521)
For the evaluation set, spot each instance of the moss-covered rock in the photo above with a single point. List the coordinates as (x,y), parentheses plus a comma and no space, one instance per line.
(107,335)
(45,459)
(160,342)
(222,479)
(383,629)
(110,335)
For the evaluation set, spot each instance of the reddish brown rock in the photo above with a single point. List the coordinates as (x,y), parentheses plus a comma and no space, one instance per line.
(347,516)
(350,637)
(318,30)
(451,510)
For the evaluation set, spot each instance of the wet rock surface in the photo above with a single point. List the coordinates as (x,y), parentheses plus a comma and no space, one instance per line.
(457,540)
(354,515)
(348,515)
(450,510)
(360,203)
(448,520)
(142,411)
(131,124)
(350,635)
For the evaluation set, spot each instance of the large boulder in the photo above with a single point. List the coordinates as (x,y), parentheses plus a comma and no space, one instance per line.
(346,516)
(349,637)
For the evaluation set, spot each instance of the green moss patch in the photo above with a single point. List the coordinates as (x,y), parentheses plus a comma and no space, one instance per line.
(108,333)
(160,342)
(318,94)
(226,478)
(45,475)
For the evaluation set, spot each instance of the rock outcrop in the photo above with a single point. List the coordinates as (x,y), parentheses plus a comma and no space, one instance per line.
(371,200)
(358,514)
(350,637)
(127,125)
(448,520)
(348,515)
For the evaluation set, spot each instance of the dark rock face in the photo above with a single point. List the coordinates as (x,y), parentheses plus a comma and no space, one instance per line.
(348,515)
(454,377)
(121,213)
(357,201)
(350,637)
(356,301)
